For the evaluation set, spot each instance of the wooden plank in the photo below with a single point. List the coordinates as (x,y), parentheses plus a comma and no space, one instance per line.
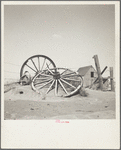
(98,71)
(101,74)
(111,79)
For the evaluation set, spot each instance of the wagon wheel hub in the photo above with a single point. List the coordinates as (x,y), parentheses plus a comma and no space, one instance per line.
(56,75)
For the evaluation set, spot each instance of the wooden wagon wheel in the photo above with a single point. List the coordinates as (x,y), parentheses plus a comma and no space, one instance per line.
(36,64)
(64,82)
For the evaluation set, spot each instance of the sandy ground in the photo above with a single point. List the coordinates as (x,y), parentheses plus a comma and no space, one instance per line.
(22,103)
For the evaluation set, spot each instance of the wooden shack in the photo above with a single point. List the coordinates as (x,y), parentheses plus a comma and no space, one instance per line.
(88,74)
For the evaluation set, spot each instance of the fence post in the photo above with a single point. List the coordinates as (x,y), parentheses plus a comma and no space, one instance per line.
(111,79)
(98,71)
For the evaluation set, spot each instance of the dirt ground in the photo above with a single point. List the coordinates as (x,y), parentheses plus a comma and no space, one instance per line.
(22,103)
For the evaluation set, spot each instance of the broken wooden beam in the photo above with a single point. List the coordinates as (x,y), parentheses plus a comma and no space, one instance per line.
(98,71)
(101,74)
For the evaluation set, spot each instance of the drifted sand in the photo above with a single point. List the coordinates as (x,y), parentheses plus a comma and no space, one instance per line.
(22,103)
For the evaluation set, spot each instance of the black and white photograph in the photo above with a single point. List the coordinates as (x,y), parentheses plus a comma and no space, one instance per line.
(60,62)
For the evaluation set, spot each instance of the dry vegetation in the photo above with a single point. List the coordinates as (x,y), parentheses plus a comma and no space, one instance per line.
(83,92)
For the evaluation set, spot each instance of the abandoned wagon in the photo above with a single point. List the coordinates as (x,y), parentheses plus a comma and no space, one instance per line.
(45,77)
(88,74)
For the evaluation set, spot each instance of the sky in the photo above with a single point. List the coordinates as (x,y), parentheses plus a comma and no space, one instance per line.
(69,34)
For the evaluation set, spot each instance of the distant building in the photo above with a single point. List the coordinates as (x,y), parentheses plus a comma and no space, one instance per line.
(88,74)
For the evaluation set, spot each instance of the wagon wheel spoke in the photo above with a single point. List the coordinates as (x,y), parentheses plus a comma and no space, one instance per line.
(43,64)
(50,71)
(38,63)
(42,82)
(68,83)
(30,68)
(34,65)
(48,65)
(63,71)
(50,86)
(71,79)
(45,75)
(56,86)
(44,85)
(69,74)
(62,86)
(43,78)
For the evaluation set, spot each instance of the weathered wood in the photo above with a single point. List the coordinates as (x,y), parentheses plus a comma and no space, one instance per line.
(97,78)
(111,79)
(98,71)
(101,74)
